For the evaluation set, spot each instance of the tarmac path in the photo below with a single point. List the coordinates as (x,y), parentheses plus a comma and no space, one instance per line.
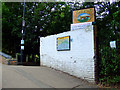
(0,75)
(39,77)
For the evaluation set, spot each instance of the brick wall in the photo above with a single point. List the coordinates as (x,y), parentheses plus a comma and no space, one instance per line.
(78,61)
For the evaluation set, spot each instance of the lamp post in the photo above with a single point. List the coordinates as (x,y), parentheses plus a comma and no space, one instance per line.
(22,41)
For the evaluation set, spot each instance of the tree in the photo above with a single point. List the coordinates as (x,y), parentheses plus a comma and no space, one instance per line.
(40,21)
(10,24)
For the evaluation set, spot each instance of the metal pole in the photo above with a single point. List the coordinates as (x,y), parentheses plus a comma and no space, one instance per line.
(23,25)
(24,10)
(39,44)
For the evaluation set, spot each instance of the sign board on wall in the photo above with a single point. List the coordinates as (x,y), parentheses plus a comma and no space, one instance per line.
(84,15)
(63,43)
(79,26)
(113,44)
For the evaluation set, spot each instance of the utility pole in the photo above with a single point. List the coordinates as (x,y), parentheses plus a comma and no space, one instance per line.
(22,41)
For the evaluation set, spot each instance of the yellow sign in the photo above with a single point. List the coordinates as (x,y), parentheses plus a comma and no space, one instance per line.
(62,37)
(63,43)
(84,15)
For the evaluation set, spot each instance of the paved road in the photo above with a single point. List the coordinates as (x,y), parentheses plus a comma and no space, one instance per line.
(39,77)
(0,75)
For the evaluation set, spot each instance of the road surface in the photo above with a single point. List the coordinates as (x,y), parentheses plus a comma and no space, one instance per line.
(0,75)
(39,77)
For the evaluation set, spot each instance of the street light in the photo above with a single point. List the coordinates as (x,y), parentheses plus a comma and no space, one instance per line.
(23,27)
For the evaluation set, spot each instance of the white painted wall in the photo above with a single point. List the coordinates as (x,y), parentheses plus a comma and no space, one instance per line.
(78,61)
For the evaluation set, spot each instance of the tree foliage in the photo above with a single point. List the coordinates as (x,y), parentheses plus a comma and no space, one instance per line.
(10,27)
(41,20)
(108,30)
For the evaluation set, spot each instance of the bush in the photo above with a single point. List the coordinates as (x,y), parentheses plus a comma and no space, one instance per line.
(109,65)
